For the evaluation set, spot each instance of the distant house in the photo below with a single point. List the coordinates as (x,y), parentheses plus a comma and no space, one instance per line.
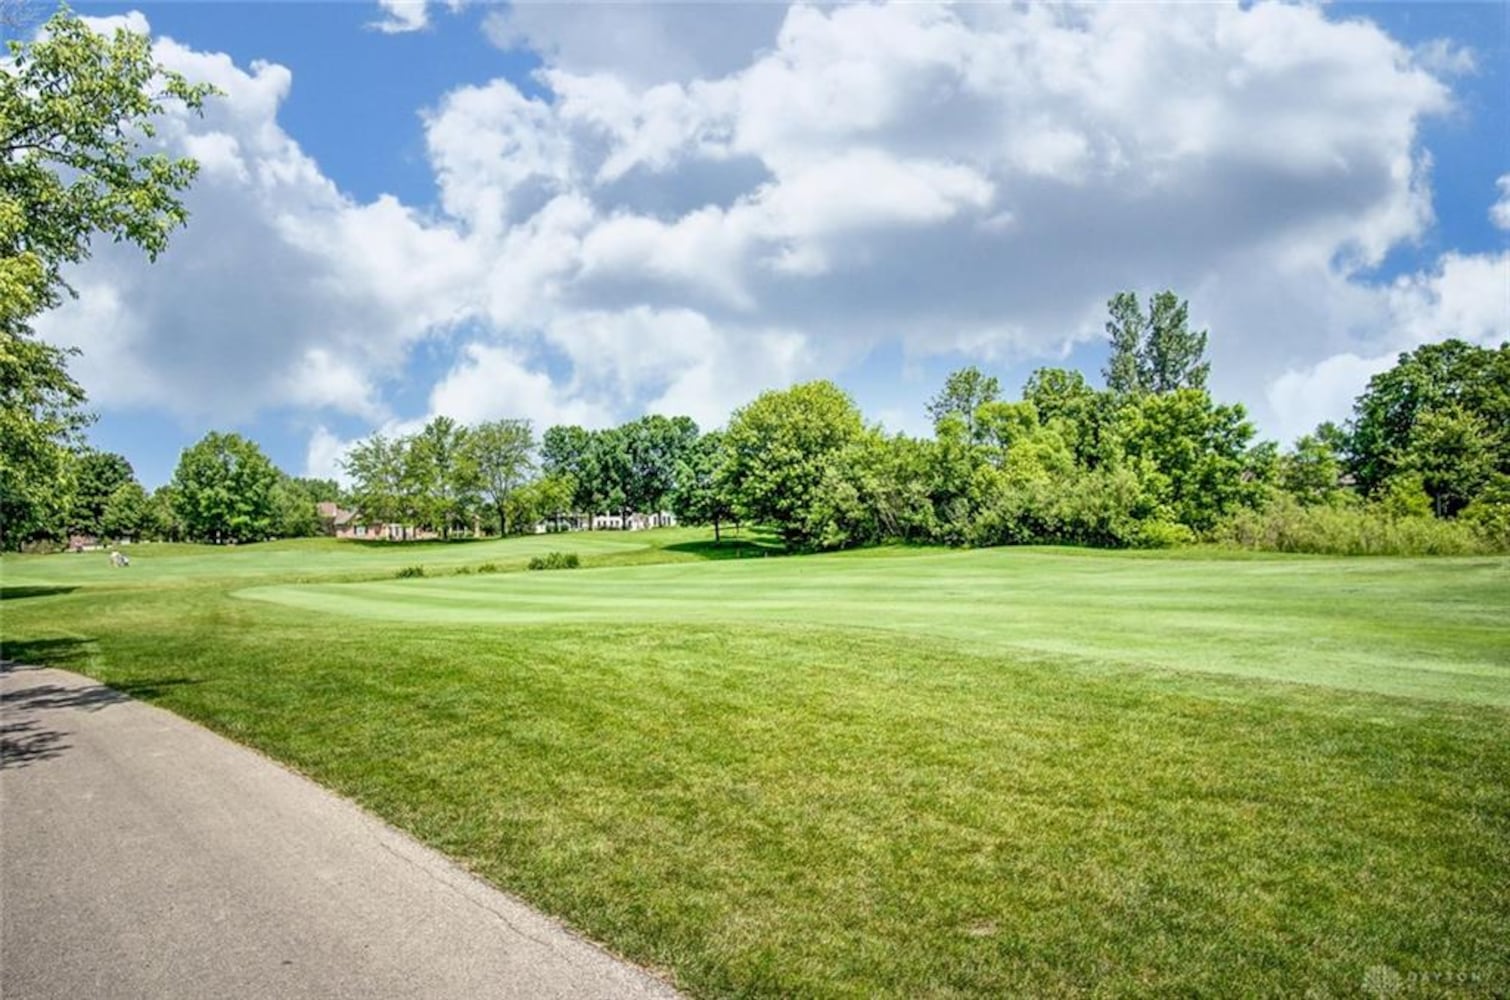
(607,522)
(342,523)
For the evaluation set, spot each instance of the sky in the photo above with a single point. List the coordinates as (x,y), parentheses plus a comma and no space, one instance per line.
(579,214)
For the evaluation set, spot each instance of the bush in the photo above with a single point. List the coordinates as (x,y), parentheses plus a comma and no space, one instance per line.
(410,571)
(1163,535)
(556,560)
(488,568)
(1372,530)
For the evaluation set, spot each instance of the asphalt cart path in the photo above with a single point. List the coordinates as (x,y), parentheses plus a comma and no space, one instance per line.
(143,856)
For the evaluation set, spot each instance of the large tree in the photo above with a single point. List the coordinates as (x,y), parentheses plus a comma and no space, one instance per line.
(97,475)
(376,467)
(654,448)
(502,452)
(76,115)
(224,490)
(127,512)
(440,475)
(701,495)
(779,448)
(1465,385)
(564,452)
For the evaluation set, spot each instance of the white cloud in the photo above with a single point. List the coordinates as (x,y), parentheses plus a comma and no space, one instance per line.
(1447,57)
(1499,212)
(402,16)
(324,454)
(710,206)
(282,291)
(1464,297)
(491,383)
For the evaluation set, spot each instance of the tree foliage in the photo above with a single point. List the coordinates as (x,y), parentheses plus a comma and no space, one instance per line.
(1442,412)
(779,447)
(502,453)
(440,476)
(76,112)
(97,475)
(224,490)
(964,392)
(701,494)
(1155,352)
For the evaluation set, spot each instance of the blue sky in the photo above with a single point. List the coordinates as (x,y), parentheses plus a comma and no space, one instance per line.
(583,213)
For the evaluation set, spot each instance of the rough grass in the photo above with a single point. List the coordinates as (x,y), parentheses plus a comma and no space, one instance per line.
(764,797)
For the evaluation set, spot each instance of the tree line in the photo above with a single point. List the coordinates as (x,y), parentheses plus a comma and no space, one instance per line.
(1147,459)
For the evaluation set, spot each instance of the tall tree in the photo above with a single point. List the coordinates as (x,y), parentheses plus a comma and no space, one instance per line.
(701,496)
(1125,329)
(964,392)
(564,451)
(654,447)
(1451,374)
(223,490)
(127,512)
(97,475)
(376,467)
(502,452)
(1153,353)
(440,476)
(75,108)
(1173,357)
(778,452)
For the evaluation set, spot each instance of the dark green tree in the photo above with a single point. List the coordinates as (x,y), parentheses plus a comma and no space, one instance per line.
(223,490)
(701,495)
(1472,381)
(97,475)
(779,448)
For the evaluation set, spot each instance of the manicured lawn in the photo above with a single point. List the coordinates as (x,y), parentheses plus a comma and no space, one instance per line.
(907,773)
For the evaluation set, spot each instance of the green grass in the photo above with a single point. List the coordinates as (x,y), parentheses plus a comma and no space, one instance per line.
(156,564)
(901,772)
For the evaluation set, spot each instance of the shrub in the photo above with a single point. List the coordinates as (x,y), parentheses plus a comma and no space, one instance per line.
(1163,535)
(488,568)
(1372,530)
(556,560)
(410,571)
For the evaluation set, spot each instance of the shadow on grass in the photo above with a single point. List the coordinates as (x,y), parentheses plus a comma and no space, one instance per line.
(68,653)
(21,593)
(729,548)
(28,736)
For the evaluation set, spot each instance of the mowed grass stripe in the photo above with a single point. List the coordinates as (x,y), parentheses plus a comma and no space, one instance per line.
(154,564)
(1423,628)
